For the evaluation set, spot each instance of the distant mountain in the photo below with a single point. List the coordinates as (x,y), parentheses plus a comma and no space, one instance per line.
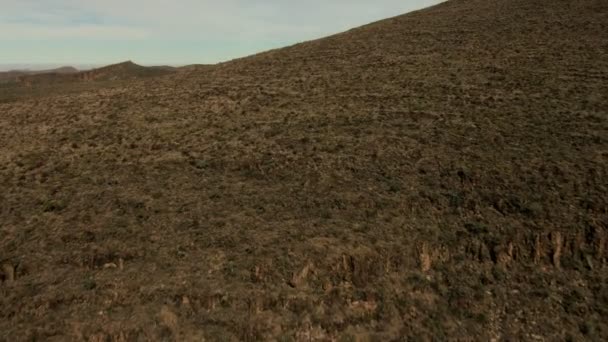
(42,67)
(124,70)
(194,67)
(13,75)
(120,71)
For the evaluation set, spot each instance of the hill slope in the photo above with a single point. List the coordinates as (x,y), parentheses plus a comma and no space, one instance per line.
(440,174)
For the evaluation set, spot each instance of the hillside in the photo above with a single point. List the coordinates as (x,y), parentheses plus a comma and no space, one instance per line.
(441,175)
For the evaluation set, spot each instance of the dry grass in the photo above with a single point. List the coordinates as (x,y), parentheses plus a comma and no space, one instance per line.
(439,175)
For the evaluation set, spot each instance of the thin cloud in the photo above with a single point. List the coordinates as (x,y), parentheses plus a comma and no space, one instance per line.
(195,30)
(21,31)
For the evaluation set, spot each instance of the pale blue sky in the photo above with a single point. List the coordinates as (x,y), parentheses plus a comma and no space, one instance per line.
(173,31)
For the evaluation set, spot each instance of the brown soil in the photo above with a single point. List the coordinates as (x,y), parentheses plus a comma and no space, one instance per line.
(439,175)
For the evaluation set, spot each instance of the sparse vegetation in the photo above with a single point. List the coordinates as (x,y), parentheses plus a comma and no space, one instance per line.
(439,175)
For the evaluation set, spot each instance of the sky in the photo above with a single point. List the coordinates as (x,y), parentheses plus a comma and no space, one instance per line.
(173,32)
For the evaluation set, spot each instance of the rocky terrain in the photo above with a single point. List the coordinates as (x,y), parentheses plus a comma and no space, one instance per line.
(441,175)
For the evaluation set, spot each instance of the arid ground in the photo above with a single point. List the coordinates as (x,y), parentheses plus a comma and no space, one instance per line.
(441,175)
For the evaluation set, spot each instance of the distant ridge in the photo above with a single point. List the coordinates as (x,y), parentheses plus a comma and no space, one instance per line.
(124,70)
(60,70)
(120,71)
(13,75)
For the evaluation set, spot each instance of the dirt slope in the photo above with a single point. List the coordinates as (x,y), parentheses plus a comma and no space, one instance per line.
(439,175)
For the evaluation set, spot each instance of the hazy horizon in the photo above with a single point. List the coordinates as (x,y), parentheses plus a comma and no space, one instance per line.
(47,66)
(44,66)
(37,35)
